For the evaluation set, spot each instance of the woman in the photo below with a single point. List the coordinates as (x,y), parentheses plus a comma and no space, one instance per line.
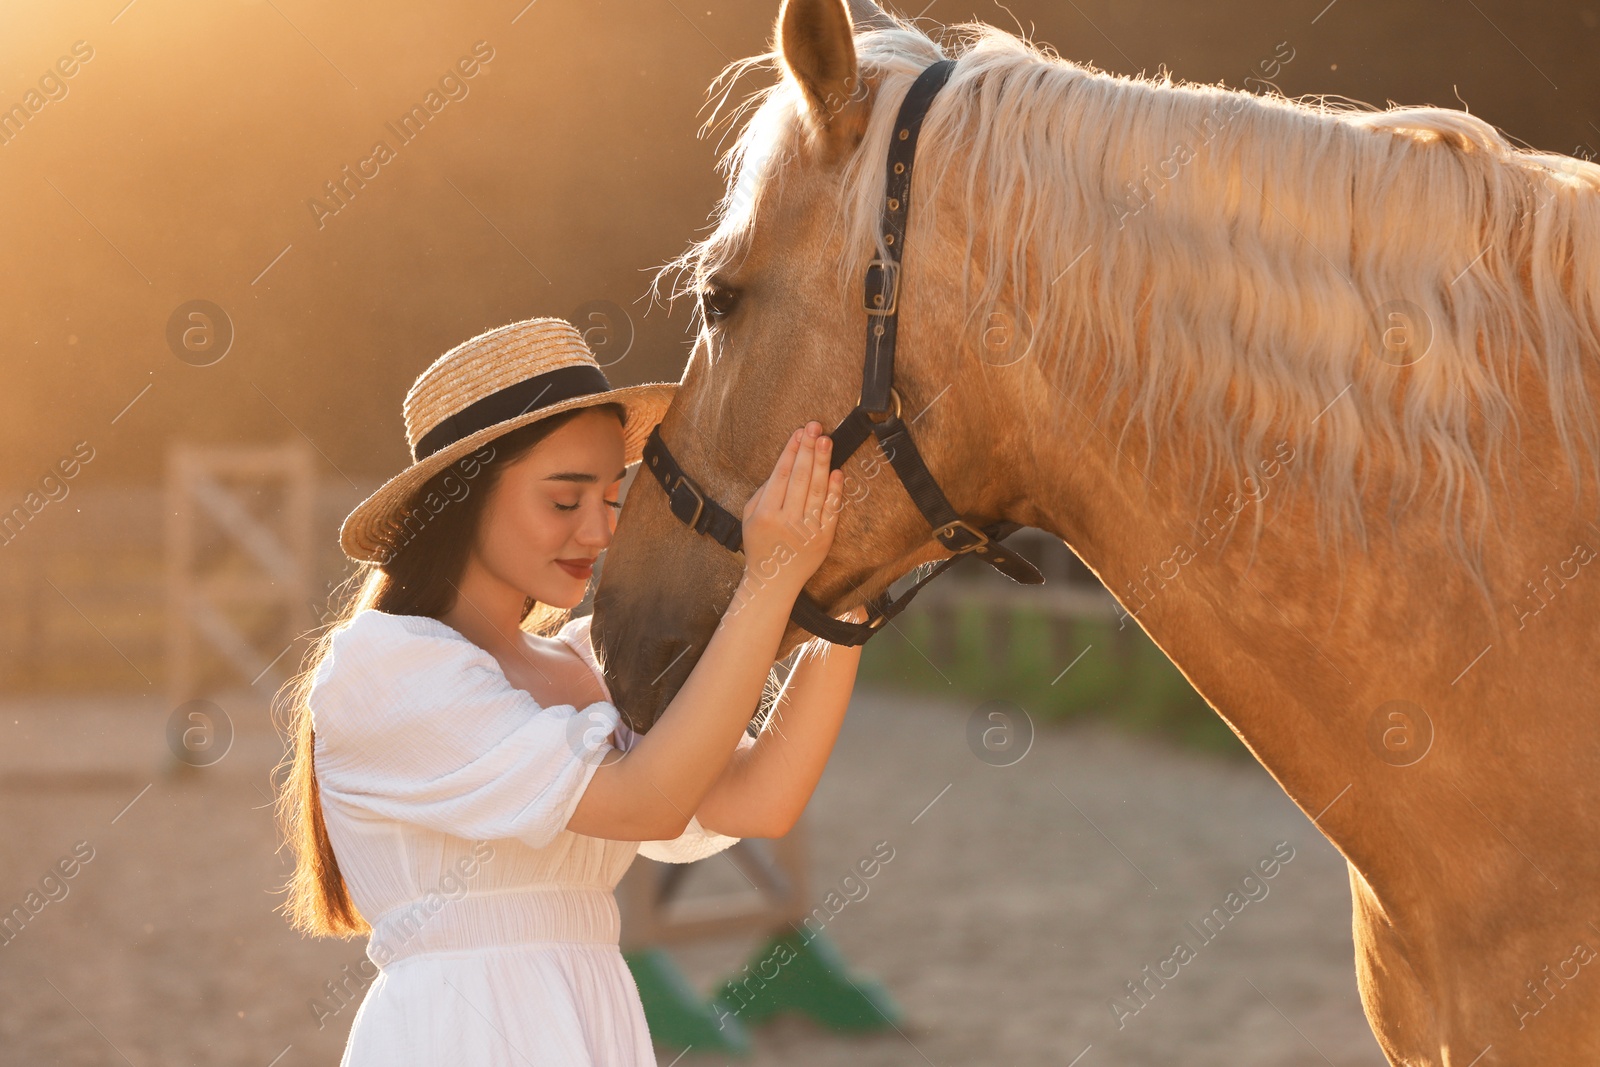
(458,778)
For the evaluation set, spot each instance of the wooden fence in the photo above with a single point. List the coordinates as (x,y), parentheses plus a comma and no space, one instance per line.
(84,589)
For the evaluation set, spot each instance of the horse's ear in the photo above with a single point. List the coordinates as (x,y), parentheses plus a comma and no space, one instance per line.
(817,44)
(869,16)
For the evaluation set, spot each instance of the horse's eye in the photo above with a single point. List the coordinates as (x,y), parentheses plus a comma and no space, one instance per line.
(717,300)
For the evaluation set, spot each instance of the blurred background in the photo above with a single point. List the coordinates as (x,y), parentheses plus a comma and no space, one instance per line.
(236,231)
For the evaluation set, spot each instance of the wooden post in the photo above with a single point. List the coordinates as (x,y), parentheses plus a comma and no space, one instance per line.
(655,915)
(256,563)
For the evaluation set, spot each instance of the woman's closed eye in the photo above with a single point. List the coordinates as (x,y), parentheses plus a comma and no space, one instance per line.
(574,507)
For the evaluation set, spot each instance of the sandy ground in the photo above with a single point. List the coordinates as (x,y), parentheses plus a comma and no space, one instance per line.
(1014,909)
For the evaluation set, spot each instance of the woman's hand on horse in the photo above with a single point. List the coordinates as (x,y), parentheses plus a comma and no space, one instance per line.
(789,521)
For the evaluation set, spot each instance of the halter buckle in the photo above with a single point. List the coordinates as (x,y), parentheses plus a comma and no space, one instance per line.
(978,540)
(882,287)
(679,504)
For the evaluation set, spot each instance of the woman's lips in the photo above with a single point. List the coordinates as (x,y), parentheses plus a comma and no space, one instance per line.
(576,568)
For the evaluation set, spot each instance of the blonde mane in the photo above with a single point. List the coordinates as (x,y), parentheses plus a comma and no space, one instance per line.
(1223,264)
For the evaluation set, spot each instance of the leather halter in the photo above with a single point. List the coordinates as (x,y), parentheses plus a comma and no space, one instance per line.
(877,414)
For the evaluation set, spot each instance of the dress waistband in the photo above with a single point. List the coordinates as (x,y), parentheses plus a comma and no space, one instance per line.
(480,920)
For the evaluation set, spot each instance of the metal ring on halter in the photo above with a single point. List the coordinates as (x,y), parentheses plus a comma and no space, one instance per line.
(882,416)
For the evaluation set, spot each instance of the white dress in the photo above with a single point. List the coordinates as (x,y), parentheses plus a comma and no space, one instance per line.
(446,793)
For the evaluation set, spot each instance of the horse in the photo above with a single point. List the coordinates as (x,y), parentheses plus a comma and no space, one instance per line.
(1310,386)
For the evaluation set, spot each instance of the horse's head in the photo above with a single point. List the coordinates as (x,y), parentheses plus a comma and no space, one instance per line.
(782,332)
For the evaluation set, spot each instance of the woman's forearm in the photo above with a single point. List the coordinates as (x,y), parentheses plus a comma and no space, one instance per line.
(650,792)
(654,791)
(766,787)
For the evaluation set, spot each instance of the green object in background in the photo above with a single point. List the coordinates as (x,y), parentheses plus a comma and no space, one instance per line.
(807,975)
(676,1015)
(1121,677)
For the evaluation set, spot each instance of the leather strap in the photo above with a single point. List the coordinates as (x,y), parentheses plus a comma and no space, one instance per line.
(687,500)
(876,415)
(881,297)
(949,528)
(881,608)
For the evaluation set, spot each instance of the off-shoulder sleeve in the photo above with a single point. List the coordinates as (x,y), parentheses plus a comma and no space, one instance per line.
(416,723)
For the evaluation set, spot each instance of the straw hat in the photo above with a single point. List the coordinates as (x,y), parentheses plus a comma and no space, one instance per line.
(504,378)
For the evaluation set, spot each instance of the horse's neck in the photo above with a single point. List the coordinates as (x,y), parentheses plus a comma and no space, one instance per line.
(1299,649)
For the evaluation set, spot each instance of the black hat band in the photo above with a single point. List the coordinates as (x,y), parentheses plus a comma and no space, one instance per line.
(542,390)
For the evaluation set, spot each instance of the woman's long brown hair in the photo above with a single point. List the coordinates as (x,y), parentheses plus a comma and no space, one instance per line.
(419,578)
